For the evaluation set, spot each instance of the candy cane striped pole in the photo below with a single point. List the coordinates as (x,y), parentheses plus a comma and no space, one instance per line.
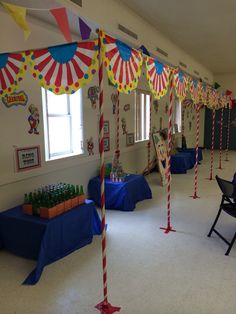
(212,143)
(194,196)
(118,126)
(228,134)
(150,134)
(104,307)
(169,227)
(221,137)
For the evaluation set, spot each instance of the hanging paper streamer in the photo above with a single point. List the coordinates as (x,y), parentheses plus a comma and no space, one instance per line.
(66,68)
(180,84)
(85,30)
(213,97)
(123,63)
(158,77)
(195,90)
(12,71)
(61,18)
(18,14)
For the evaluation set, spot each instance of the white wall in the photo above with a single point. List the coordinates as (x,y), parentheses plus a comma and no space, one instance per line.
(79,169)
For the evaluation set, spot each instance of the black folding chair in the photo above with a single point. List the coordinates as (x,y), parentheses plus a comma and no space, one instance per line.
(227,205)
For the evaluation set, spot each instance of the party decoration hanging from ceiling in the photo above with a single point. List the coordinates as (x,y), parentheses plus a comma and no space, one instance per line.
(195,90)
(213,98)
(12,71)
(158,77)
(180,84)
(66,68)
(122,62)
(19,16)
(61,18)
(203,93)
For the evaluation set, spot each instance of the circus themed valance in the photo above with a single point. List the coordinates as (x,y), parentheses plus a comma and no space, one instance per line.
(122,62)
(195,90)
(180,84)
(12,70)
(158,77)
(66,68)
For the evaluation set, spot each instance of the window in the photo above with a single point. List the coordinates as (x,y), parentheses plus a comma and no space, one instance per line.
(142,115)
(178,117)
(63,124)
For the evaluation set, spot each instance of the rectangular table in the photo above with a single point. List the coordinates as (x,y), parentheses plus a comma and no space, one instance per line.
(121,195)
(47,240)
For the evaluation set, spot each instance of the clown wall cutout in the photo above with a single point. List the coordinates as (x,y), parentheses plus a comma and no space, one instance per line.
(127,107)
(114,99)
(33,119)
(155,105)
(93,95)
(161,154)
(90,146)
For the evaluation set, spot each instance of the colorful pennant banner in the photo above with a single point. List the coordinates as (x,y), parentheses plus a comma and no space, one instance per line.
(61,18)
(66,68)
(158,77)
(122,62)
(12,71)
(180,84)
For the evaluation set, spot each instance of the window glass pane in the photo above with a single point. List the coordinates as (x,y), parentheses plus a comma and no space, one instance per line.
(57,104)
(59,135)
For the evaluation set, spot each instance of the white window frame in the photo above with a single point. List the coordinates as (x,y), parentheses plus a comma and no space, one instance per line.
(142,115)
(75,116)
(178,116)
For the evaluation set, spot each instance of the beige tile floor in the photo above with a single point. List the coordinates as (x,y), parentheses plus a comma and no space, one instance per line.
(148,272)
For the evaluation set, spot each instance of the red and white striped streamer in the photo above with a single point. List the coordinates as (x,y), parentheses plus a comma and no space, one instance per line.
(150,134)
(212,144)
(197,145)
(221,137)
(169,227)
(104,306)
(228,134)
(118,126)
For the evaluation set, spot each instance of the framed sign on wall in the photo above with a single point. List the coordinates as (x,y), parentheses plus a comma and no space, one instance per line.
(27,158)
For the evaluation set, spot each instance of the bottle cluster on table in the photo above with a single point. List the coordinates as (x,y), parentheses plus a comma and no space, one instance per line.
(53,200)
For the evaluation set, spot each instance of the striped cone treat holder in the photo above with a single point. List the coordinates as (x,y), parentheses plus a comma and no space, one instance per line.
(228,135)
(221,138)
(195,196)
(169,227)
(212,145)
(104,307)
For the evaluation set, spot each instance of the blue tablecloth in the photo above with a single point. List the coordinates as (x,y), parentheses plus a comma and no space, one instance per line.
(181,162)
(121,195)
(193,153)
(48,240)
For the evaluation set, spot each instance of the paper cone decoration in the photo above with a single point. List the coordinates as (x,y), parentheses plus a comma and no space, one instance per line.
(216,85)
(61,18)
(122,62)
(66,68)
(18,14)
(85,30)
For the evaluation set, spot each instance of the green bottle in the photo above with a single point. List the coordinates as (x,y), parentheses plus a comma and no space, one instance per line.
(81,190)
(26,199)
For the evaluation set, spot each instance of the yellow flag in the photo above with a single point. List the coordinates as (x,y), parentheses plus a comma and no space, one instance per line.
(18,14)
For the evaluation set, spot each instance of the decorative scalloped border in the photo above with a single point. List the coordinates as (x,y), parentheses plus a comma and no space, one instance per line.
(120,87)
(163,92)
(71,89)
